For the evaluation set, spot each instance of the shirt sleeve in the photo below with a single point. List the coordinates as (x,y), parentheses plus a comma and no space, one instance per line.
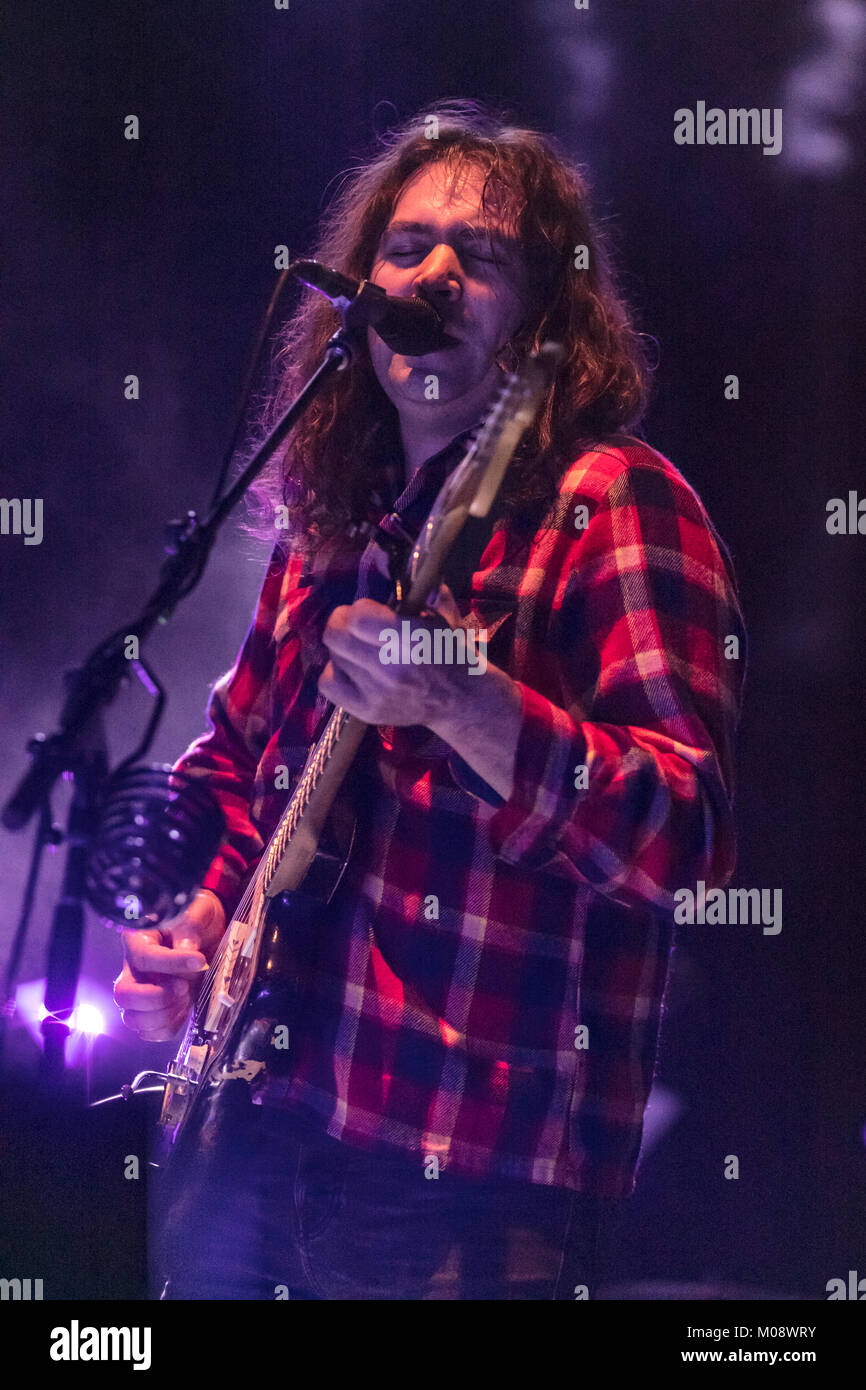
(628,786)
(238,715)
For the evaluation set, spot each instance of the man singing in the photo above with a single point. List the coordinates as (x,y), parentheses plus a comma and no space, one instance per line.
(462,1110)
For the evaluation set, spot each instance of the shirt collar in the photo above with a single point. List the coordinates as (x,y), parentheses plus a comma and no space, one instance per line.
(416,499)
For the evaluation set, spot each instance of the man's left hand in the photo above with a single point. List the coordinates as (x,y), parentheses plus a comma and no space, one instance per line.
(356,679)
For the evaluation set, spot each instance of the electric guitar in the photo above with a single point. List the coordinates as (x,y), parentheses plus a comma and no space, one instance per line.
(240,1025)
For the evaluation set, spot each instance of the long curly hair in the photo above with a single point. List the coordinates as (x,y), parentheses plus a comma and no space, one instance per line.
(332,465)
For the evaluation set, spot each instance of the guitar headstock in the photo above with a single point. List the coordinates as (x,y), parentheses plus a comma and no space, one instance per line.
(471,488)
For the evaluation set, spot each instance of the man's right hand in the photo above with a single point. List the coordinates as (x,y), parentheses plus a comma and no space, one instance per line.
(157,985)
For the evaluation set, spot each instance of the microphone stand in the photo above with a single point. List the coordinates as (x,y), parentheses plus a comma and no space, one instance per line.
(78,745)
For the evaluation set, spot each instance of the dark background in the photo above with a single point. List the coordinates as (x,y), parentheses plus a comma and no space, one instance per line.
(156,257)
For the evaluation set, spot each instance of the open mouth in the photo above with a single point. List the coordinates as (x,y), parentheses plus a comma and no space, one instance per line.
(446,338)
(445,341)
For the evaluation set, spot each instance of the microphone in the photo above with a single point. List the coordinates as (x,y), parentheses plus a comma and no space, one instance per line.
(408,326)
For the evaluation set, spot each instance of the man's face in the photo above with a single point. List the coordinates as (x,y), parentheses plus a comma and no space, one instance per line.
(439,244)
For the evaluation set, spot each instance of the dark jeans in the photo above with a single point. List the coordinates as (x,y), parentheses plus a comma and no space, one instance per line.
(292,1214)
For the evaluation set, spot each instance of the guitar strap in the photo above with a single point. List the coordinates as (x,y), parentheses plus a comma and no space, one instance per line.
(397,541)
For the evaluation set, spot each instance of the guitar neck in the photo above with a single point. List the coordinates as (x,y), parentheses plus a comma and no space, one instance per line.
(295,841)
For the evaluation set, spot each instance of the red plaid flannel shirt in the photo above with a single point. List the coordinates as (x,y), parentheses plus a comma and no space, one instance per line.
(489,986)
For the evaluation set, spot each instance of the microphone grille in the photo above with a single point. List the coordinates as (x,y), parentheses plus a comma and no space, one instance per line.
(157,834)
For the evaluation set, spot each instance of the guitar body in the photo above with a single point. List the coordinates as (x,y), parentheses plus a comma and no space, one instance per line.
(240,1033)
(255,1045)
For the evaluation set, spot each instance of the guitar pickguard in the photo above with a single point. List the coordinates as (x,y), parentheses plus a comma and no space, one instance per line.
(214,1073)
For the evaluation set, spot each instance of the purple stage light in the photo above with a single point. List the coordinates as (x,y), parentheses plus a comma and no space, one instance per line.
(88,1021)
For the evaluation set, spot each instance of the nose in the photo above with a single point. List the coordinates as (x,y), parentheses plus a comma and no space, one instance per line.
(438,276)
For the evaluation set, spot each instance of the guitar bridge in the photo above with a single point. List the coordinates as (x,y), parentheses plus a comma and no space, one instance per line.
(180,1086)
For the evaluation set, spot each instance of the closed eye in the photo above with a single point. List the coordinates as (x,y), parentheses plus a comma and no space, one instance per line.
(418,253)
